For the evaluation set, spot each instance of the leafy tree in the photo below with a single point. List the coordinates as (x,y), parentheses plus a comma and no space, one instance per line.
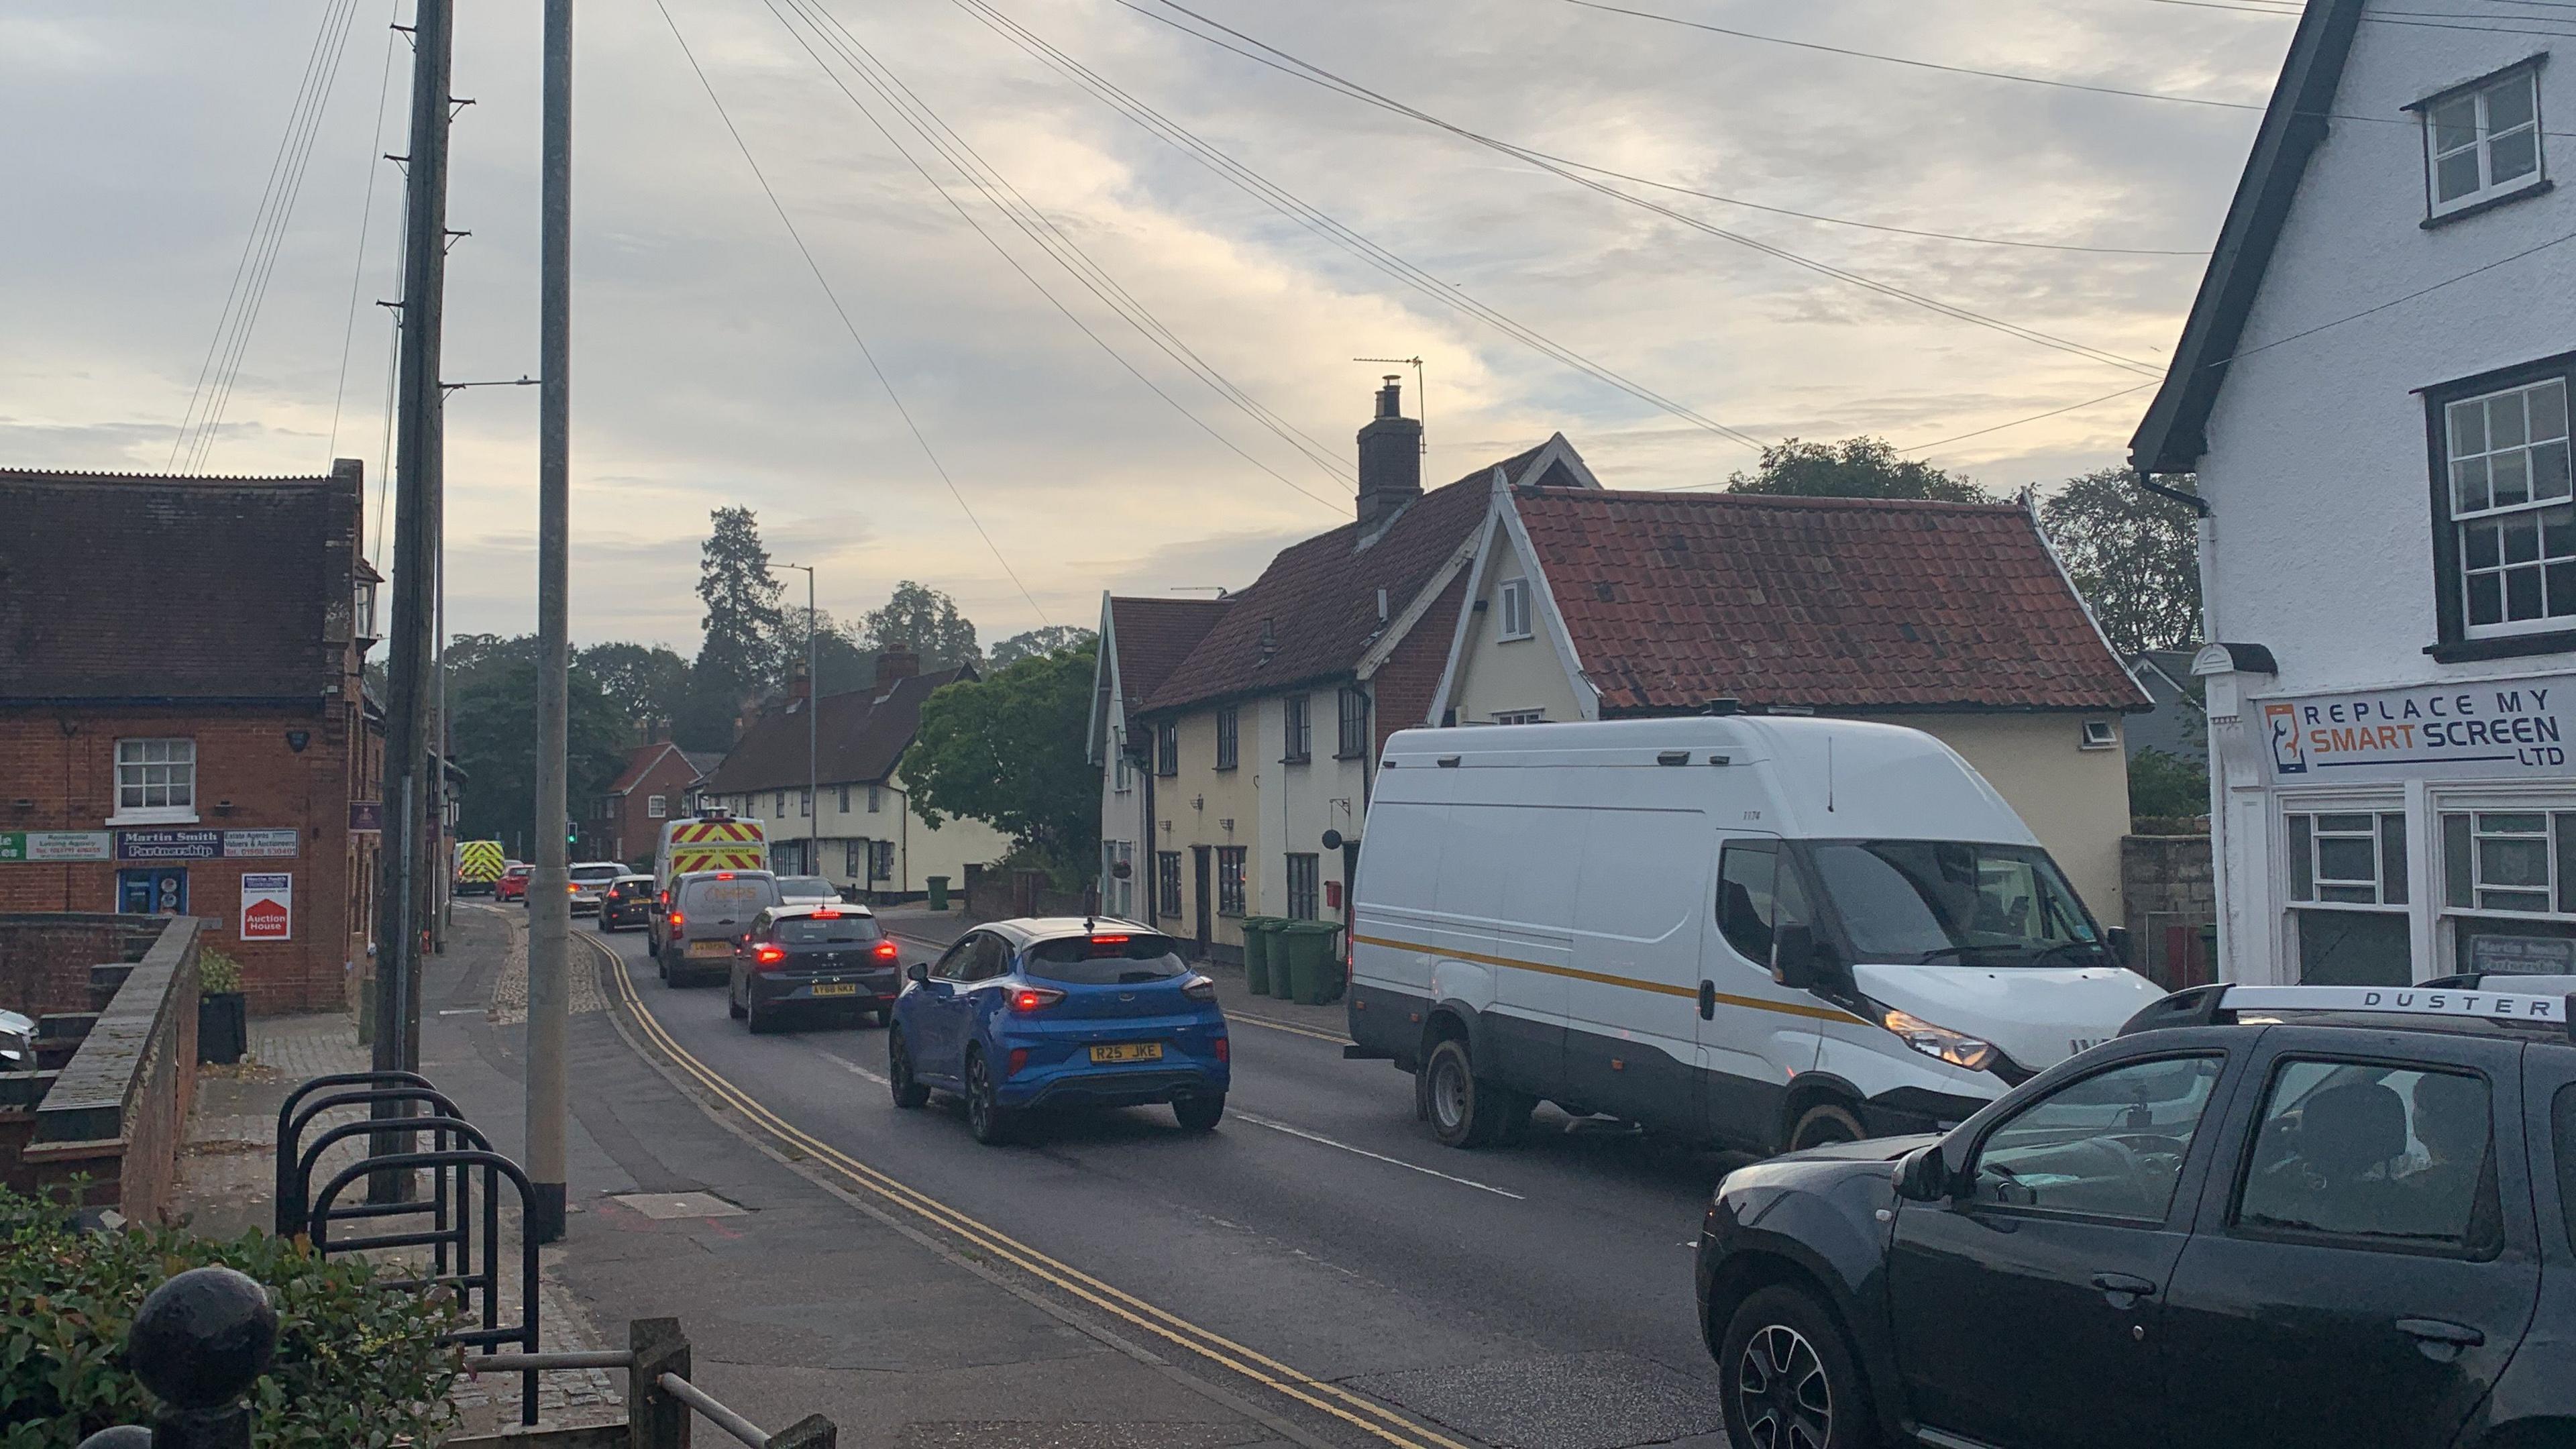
(925,621)
(472,658)
(493,721)
(2134,556)
(1046,640)
(1853,468)
(742,621)
(1007,750)
(644,682)
(2167,786)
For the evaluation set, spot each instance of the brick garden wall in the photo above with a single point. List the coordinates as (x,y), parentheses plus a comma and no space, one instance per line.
(45,958)
(2169,891)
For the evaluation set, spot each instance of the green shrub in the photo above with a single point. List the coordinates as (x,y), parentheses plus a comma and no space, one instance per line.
(2163,785)
(217,972)
(357,1364)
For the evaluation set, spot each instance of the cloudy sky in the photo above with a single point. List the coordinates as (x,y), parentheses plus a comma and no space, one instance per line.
(711,368)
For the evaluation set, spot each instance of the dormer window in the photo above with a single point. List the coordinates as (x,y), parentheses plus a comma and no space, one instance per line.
(2482,141)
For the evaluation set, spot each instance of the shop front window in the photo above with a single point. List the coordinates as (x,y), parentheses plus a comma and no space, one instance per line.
(2348,889)
(2509,889)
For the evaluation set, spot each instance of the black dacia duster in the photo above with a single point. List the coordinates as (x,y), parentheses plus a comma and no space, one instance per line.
(2287,1216)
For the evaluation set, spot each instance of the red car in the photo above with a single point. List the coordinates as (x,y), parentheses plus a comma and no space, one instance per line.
(513,883)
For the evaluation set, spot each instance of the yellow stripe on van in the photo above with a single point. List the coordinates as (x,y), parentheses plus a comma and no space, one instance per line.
(1754,1003)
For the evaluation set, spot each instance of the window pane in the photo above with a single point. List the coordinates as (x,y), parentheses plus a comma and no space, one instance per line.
(2456,878)
(2468,427)
(2455,124)
(2549,469)
(2509,104)
(2512,157)
(1744,877)
(2513,862)
(2517,822)
(2392,859)
(2084,1148)
(2522,594)
(2349,895)
(2504,422)
(2344,824)
(2335,1155)
(2486,600)
(2469,485)
(2456,176)
(2512,475)
(2343,858)
(2354,948)
(2513,901)
(2562,589)
(2303,885)
(2549,410)
(2484,545)
(2563,832)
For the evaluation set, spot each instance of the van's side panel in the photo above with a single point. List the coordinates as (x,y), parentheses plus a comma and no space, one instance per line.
(1399,868)
(1631,1033)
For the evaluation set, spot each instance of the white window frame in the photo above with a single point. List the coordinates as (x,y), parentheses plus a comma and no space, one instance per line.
(657,807)
(2479,96)
(1520,716)
(1512,610)
(2098,734)
(876,798)
(177,775)
(2532,457)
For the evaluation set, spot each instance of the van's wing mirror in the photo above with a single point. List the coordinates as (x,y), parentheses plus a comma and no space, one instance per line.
(2118,937)
(1923,1175)
(917,971)
(1794,962)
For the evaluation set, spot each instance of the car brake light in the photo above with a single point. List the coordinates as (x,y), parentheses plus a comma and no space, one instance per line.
(1019,1059)
(1199,988)
(1108,946)
(678,920)
(827,915)
(888,950)
(724,875)
(768,955)
(1223,1052)
(1034,998)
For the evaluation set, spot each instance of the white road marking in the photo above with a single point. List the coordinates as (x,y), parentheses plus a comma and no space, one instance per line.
(1374,1156)
(853,1068)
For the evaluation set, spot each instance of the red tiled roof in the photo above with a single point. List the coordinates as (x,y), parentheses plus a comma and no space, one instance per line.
(857,736)
(1319,597)
(641,760)
(1154,636)
(1674,599)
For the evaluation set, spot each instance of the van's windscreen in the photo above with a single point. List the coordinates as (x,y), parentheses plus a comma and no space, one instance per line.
(1106,959)
(1906,901)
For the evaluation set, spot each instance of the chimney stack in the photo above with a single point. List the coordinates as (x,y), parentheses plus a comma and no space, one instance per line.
(1390,457)
(896,663)
(800,686)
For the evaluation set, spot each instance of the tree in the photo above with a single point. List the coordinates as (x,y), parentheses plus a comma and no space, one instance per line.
(2167,786)
(493,721)
(645,683)
(925,621)
(2134,556)
(743,621)
(1853,468)
(1046,640)
(1007,750)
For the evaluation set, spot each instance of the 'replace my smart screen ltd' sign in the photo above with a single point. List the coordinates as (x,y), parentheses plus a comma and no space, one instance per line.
(2494,729)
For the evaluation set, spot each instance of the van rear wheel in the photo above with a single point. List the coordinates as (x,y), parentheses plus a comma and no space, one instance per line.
(1465,1110)
(1823,1124)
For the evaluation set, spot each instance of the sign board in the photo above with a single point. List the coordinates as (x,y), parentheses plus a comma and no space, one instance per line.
(2499,729)
(2522,955)
(262,844)
(267,907)
(169,844)
(367,817)
(40,846)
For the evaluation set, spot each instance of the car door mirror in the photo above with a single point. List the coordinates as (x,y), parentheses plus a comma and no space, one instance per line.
(917,971)
(1923,1175)
(1795,962)
(2118,939)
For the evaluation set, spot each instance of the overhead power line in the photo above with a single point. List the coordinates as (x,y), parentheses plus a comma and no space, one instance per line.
(834,297)
(1307,70)
(2418,19)
(366,220)
(1323,225)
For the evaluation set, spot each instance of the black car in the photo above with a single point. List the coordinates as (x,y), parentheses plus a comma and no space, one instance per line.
(628,901)
(813,958)
(2285,1216)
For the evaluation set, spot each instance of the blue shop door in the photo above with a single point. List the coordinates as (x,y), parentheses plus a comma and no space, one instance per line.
(159,891)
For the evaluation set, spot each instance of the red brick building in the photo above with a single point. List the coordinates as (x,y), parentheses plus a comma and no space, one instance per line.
(658,783)
(183,723)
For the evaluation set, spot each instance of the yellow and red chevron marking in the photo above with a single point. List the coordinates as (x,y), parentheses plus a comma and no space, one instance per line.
(704,831)
(685,861)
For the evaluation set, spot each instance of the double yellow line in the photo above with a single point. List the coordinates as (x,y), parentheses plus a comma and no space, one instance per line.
(1361,1413)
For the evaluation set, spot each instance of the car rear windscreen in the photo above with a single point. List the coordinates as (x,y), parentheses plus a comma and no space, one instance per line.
(592,874)
(806,885)
(1106,960)
(828,930)
(738,897)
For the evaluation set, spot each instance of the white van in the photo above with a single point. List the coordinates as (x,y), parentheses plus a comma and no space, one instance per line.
(1761,932)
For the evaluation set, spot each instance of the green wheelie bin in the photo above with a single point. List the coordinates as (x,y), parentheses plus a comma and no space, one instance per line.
(1256,953)
(1308,946)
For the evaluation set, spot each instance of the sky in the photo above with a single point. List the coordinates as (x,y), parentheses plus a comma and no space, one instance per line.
(712,368)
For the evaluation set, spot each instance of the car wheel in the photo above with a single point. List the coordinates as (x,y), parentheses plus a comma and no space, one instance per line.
(733,1004)
(884,1018)
(1465,1112)
(1786,1377)
(761,1022)
(908,1093)
(1823,1124)
(986,1117)
(1199,1112)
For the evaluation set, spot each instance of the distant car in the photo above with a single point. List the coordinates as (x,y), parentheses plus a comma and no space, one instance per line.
(512,883)
(588,880)
(710,912)
(17,1042)
(1060,1012)
(628,901)
(794,890)
(2306,1216)
(807,957)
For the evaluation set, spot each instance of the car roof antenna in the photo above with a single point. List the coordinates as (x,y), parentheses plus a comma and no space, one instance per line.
(1086,925)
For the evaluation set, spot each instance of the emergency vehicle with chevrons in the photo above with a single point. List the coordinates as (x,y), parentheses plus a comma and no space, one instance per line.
(712,839)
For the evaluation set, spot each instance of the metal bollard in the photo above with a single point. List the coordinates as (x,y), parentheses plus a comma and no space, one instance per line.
(198,1343)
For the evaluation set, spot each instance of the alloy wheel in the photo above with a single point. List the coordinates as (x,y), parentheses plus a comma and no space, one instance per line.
(979,1096)
(1782,1390)
(1449,1094)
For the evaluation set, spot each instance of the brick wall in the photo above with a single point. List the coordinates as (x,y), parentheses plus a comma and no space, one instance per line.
(45,958)
(64,763)
(115,1116)
(2168,892)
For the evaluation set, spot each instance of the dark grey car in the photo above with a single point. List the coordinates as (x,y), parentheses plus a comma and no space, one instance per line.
(813,958)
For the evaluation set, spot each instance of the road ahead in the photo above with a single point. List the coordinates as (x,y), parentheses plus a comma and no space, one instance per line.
(1539,1296)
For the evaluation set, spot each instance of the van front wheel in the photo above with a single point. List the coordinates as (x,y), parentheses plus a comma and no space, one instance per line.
(1467,1111)
(1823,1124)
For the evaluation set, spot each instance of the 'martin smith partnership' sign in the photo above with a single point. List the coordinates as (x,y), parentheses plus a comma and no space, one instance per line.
(2494,729)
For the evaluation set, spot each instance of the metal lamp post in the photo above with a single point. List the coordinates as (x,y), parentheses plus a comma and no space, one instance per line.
(813,735)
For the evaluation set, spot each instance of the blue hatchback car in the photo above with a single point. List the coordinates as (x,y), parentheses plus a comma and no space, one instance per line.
(1060,1012)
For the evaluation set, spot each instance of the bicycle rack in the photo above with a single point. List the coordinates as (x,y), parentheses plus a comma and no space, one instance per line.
(289,1128)
(494,1167)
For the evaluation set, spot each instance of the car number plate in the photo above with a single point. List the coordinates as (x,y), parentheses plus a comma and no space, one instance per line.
(836,988)
(711,948)
(1133,1051)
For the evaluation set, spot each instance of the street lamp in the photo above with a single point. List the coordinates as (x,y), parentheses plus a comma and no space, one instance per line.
(813,734)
